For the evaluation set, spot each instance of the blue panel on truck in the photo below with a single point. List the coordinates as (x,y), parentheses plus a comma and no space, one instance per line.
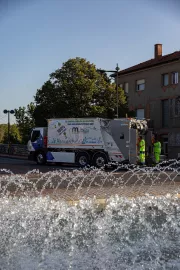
(65,157)
(49,156)
(38,143)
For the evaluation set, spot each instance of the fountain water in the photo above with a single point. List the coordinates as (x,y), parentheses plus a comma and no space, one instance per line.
(91,219)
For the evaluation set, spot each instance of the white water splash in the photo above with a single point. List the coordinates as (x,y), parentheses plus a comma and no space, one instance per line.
(43,232)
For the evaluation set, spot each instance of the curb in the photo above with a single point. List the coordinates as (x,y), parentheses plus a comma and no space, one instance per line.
(102,203)
(13,157)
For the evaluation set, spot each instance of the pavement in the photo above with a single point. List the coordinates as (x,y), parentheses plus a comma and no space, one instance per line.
(21,165)
(13,156)
(71,185)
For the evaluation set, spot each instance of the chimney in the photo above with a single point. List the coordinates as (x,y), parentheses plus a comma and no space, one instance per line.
(157,51)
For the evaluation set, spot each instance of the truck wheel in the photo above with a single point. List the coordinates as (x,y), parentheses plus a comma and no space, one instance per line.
(82,159)
(100,160)
(41,158)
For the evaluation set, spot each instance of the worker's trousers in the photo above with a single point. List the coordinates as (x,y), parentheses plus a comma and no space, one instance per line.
(142,157)
(157,157)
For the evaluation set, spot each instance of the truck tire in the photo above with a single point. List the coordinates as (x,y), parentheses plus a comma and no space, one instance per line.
(41,158)
(100,160)
(82,159)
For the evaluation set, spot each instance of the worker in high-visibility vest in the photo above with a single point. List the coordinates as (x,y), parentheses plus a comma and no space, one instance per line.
(157,150)
(142,147)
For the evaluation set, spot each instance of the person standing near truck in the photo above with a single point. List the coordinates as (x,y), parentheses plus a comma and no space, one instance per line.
(142,147)
(157,150)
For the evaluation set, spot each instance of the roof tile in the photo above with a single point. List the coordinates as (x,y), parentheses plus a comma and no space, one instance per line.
(152,62)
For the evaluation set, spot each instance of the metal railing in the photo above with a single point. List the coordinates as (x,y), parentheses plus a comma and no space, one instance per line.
(14,149)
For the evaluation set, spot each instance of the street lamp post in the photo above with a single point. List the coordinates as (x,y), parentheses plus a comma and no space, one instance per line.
(117,95)
(8,112)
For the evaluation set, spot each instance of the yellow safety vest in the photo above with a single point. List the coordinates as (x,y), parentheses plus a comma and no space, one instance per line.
(157,147)
(142,146)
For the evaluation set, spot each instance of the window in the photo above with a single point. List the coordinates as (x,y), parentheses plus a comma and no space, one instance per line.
(140,85)
(177,107)
(121,135)
(171,107)
(140,113)
(126,87)
(35,135)
(121,85)
(165,79)
(174,77)
(165,113)
(165,146)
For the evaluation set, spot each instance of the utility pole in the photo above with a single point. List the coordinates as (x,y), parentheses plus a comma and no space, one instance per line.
(8,112)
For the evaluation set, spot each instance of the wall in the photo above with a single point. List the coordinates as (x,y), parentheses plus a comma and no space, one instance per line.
(174,144)
(150,98)
(173,152)
(15,149)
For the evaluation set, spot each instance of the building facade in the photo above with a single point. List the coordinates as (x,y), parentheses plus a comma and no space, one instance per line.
(153,90)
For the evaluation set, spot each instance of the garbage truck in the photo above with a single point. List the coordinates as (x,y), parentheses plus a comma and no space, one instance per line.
(87,141)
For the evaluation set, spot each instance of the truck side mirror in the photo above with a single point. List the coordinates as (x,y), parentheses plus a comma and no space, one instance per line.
(121,135)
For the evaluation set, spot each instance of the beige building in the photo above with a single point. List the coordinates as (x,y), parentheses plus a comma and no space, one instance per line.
(153,89)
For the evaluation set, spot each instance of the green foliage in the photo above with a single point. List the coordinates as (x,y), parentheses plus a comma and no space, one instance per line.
(77,90)
(14,134)
(3,127)
(47,104)
(25,121)
(104,74)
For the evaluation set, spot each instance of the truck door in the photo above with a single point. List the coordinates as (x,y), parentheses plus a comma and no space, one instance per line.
(133,151)
(36,139)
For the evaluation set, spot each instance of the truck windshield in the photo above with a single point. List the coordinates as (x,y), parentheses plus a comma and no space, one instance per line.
(35,135)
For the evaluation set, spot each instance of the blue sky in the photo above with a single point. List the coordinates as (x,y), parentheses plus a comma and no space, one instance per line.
(37,36)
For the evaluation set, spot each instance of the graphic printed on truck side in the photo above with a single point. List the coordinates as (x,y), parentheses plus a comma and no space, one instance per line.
(61,130)
(74,132)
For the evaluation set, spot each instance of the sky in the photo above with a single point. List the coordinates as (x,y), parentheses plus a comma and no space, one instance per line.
(37,36)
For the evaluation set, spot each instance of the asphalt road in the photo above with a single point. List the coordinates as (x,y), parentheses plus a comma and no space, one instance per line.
(22,166)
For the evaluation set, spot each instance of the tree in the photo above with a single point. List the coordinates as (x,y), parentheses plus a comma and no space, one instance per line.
(25,120)
(14,134)
(46,104)
(77,90)
(3,128)
(104,74)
